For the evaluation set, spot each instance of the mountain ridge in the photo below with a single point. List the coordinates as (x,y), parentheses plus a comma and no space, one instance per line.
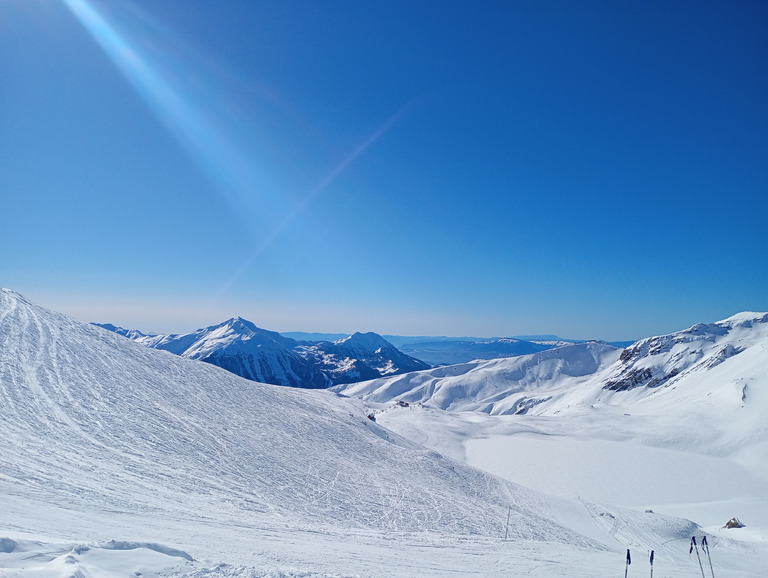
(112,444)
(681,367)
(241,347)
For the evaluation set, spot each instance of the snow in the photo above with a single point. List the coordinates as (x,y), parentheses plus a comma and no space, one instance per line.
(241,347)
(497,386)
(689,439)
(120,459)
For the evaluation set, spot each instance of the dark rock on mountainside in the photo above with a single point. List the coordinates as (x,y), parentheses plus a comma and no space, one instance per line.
(359,357)
(241,347)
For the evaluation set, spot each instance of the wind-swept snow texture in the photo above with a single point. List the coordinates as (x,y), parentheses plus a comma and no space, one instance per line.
(105,438)
(119,459)
(99,421)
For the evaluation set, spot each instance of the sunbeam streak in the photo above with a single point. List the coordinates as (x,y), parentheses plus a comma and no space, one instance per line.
(184,96)
(187,110)
(322,185)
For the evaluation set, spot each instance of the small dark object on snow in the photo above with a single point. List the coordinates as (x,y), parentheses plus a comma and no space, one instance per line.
(402,403)
(733,523)
(371,417)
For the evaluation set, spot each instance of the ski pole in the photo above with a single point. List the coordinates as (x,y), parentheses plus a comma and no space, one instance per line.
(705,547)
(629,561)
(651,563)
(694,545)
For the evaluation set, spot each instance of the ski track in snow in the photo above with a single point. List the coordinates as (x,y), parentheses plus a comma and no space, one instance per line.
(105,439)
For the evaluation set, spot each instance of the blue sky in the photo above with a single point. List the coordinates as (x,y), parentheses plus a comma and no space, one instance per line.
(590,169)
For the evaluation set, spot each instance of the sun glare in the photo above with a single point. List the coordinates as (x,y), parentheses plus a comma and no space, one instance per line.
(180,95)
(187,98)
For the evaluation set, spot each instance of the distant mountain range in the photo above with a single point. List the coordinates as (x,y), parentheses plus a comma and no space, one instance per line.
(241,347)
(452,350)
(109,438)
(320,360)
(717,365)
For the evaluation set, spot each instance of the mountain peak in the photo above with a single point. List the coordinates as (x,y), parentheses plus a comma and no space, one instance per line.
(241,325)
(745,319)
(369,341)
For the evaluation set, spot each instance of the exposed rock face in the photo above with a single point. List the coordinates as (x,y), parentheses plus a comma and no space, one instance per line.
(657,361)
(241,347)
(359,357)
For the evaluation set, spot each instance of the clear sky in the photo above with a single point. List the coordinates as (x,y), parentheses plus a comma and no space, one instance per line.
(590,169)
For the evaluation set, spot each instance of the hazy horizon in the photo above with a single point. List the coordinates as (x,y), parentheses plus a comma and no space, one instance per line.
(591,170)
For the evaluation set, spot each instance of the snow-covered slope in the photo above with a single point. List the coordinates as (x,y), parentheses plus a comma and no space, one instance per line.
(715,369)
(358,357)
(501,386)
(241,347)
(674,424)
(665,360)
(105,438)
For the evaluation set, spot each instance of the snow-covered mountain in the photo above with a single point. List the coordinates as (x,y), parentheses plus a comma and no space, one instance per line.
(241,347)
(112,448)
(665,360)
(673,424)
(715,373)
(573,377)
(358,357)
(512,385)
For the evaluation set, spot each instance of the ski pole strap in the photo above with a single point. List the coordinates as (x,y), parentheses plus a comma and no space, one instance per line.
(651,557)
(629,558)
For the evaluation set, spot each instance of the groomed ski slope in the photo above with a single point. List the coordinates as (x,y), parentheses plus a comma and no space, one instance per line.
(120,459)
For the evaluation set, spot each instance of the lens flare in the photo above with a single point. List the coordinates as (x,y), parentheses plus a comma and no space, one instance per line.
(185,97)
(183,94)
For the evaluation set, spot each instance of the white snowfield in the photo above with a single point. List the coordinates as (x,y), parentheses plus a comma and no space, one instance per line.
(512,385)
(120,460)
(676,423)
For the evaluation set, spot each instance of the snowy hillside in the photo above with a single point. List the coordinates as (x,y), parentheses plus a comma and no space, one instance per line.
(717,368)
(241,347)
(675,423)
(106,438)
(121,459)
(501,386)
